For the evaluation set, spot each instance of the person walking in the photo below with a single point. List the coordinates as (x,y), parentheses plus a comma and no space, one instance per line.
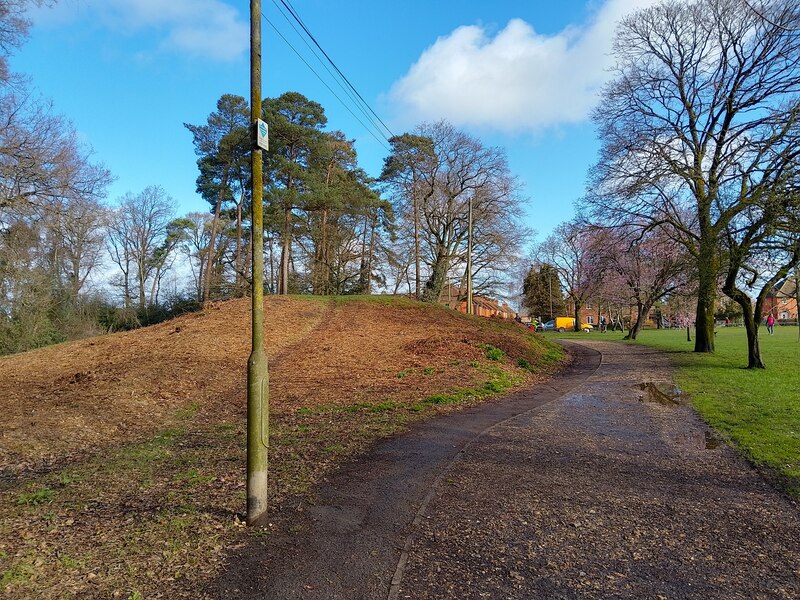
(770,324)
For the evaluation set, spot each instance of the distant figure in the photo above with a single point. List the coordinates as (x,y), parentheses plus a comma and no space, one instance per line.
(727,322)
(602,324)
(770,324)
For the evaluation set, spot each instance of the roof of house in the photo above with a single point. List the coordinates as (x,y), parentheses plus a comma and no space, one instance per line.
(788,287)
(453,295)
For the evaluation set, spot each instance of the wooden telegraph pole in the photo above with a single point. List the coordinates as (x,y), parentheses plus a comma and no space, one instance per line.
(469,258)
(257,376)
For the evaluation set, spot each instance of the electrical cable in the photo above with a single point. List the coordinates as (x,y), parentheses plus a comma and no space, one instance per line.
(358,104)
(288,43)
(296,16)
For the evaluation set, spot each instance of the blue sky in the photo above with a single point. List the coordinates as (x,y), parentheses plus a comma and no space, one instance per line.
(521,75)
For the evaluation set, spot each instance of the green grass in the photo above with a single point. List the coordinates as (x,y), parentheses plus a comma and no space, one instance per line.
(493,353)
(498,382)
(193,477)
(757,409)
(19,573)
(379,299)
(41,496)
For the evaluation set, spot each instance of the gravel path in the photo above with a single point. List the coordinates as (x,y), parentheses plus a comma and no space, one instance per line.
(597,485)
(612,491)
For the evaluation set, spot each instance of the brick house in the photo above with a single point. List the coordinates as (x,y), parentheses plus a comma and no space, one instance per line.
(482,306)
(592,311)
(782,301)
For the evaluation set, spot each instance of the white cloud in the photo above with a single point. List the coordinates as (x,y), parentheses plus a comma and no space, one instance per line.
(209,29)
(516,80)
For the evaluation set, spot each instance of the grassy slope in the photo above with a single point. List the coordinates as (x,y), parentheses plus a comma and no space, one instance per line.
(150,509)
(758,410)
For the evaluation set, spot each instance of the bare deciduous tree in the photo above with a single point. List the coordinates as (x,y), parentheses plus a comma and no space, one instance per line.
(435,174)
(138,228)
(569,250)
(409,173)
(701,121)
(76,231)
(41,161)
(14,27)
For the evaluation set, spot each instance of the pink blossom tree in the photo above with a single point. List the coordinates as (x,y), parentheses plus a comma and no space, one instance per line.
(646,265)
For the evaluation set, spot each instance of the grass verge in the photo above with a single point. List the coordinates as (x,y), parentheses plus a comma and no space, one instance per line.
(756,409)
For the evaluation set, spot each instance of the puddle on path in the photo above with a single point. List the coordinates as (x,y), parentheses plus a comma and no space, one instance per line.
(663,394)
(668,395)
(712,441)
(701,440)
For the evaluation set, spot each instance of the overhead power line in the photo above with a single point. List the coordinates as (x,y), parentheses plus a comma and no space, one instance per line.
(290,8)
(358,102)
(377,128)
(330,89)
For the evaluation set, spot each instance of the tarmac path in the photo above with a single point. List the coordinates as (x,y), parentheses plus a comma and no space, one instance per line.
(597,484)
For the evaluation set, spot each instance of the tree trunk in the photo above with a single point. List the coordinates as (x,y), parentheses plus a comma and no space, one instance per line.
(416,249)
(212,240)
(371,255)
(286,249)
(247,253)
(363,275)
(126,283)
(240,284)
(317,272)
(200,274)
(140,276)
(754,360)
(434,285)
(751,322)
(797,300)
(325,255)
(706,295)
(577,305)
(641,314)
(154,287)
(272,283)
(463,283)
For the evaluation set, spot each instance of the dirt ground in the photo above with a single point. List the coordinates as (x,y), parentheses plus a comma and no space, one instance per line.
(346,541)
(601,483)
(616,490)
(121,457)
(76,398)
